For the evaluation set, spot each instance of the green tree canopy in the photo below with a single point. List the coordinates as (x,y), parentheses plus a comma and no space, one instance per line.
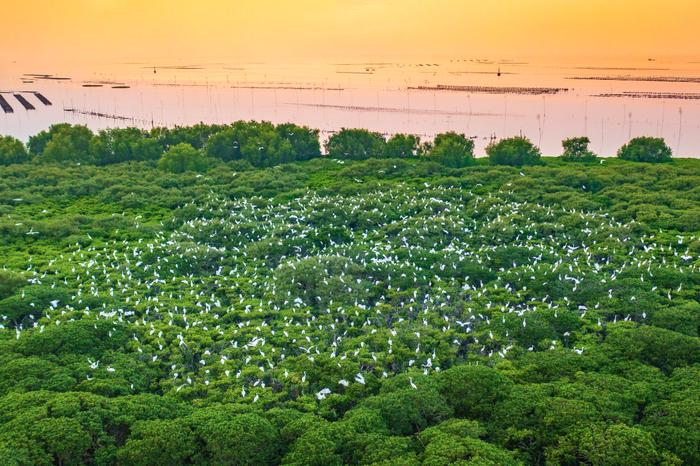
(576,150)
(12,151)
(37,143)
(613,445)
(182,158)
(158,442)
(516,151)
(196,135)
(452,150)
(304,140)
(122,145)
(402,145)
(262,144)
(473,390)
(646,149)
(68,143)
(355,144)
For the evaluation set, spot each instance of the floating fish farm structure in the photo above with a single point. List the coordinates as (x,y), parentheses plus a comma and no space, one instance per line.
(20,97)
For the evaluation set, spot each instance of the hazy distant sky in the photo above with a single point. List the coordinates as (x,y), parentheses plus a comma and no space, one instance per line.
(86,31)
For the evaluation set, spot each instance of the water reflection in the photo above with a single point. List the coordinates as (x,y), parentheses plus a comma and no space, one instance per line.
(483,98)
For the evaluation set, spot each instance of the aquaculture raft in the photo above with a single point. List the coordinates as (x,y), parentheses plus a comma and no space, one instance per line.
(42,98)
(5,105)
(653,95)
(25,103)
(492,90)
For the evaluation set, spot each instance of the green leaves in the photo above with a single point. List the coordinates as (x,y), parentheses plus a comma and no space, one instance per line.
(473,390)
(409,411)
(159,442)
(576,150)
(614,445)
(123,145)
(402,146)
(182,158)
(645,149)
(517,151)
(355,144)
(263,144)
(457,442)
(68,143)
(494,318)
(10,282)
(661,348)
(90,338)
(452,150)
(246,439)
(63,438)
(33,300)
(12,151)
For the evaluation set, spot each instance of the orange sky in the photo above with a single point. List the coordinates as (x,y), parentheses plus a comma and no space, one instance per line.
(88,31)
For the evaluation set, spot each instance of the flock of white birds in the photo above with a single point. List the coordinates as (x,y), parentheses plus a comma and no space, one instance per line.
(319,294)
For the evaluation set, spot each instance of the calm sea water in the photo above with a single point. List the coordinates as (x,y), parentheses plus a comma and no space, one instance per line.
(487,99)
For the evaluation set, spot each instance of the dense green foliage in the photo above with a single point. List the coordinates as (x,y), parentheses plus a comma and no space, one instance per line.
(516,151)
(68,143)
(37,143)
(402,145)
(262,144)
(124,145)
(576,150)
(196,136)
(645,149)
(355,144)
(12,151)
(452,150)
(183,157)
(383,311)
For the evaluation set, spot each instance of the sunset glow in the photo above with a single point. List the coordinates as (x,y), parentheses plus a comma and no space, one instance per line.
(86,31)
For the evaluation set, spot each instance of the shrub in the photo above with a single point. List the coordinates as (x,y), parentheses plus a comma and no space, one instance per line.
(402,145)
(453,150)
(196,135)
(258,143)
(517,151)
(355,144)
(645,149)
(10,282)
(408,411)
(576,150)
(124,144)
(304,140)
(12,151)
(616,444)
(68,143)
(473,390)
(38,142)
(183,157)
